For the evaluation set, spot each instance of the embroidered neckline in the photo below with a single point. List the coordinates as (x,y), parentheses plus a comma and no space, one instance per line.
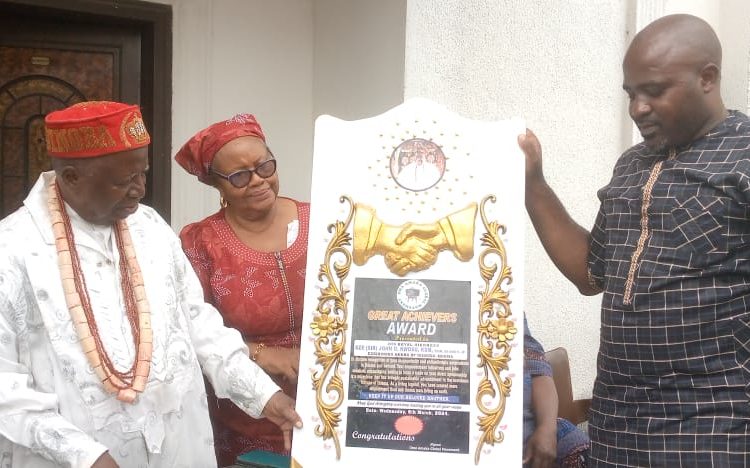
(238,248)
(627,296)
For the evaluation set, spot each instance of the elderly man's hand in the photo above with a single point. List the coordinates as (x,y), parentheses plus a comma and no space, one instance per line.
(105,461)
(280,411)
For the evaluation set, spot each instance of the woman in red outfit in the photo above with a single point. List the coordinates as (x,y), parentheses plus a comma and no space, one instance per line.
(250,257)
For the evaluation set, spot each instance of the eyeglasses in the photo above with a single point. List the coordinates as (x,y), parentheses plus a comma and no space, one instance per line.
(241,178)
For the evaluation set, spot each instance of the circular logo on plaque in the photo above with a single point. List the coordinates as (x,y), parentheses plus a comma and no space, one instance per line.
(417,164)
(412,294)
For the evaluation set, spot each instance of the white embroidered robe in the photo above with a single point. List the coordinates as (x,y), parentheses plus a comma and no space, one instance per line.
(53,409)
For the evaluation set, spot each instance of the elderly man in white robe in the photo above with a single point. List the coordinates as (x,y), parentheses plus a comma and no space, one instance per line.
(104,333)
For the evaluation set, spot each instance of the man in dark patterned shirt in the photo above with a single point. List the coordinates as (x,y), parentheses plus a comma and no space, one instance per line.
(670,250)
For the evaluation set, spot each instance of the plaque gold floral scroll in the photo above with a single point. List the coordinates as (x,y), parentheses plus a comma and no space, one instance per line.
(412,341)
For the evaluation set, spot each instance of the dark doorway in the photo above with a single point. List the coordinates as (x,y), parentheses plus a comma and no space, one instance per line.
(54,54)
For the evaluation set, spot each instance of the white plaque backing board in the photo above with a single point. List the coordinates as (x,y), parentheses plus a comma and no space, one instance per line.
(412,341)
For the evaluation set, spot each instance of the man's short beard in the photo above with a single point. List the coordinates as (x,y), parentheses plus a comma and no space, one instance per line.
(660,146)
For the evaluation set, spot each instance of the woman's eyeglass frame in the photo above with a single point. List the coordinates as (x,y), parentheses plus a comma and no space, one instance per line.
(237,178)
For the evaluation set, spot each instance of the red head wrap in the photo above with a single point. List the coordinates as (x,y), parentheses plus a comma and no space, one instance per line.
(94,128)
(198,153)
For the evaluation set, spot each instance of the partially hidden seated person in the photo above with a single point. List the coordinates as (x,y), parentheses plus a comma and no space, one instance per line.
(548,441)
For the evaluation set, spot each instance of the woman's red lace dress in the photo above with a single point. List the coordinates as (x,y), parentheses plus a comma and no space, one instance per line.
(261,295)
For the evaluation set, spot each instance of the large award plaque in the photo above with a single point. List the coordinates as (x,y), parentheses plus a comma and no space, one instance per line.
(412,348)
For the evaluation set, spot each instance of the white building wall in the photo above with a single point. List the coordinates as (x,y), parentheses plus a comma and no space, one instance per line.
(555,65)
(558,65)
(359,57)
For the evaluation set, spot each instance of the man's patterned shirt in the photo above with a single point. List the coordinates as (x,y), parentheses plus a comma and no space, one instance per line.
(671,250)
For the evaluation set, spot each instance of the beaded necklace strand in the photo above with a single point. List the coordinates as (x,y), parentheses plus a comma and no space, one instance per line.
(129,383)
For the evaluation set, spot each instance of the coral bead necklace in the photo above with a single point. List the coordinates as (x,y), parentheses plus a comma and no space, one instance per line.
(127,384)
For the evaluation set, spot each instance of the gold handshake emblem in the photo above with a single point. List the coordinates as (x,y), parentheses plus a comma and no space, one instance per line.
(410,246)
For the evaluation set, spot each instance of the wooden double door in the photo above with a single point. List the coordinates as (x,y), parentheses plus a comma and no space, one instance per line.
(46,65)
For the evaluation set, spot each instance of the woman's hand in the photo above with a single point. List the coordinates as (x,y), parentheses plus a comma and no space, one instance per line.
(278,362)
(541,448)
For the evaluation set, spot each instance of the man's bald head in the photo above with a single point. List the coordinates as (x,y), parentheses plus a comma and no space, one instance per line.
(678,38)
(671,73)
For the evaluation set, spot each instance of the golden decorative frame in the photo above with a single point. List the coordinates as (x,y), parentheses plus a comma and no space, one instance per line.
(329,326)
(495,331)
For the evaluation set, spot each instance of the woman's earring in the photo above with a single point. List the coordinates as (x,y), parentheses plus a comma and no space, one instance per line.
(223,202)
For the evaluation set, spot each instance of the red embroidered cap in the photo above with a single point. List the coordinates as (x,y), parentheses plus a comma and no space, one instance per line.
(95,128)
(198,153)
